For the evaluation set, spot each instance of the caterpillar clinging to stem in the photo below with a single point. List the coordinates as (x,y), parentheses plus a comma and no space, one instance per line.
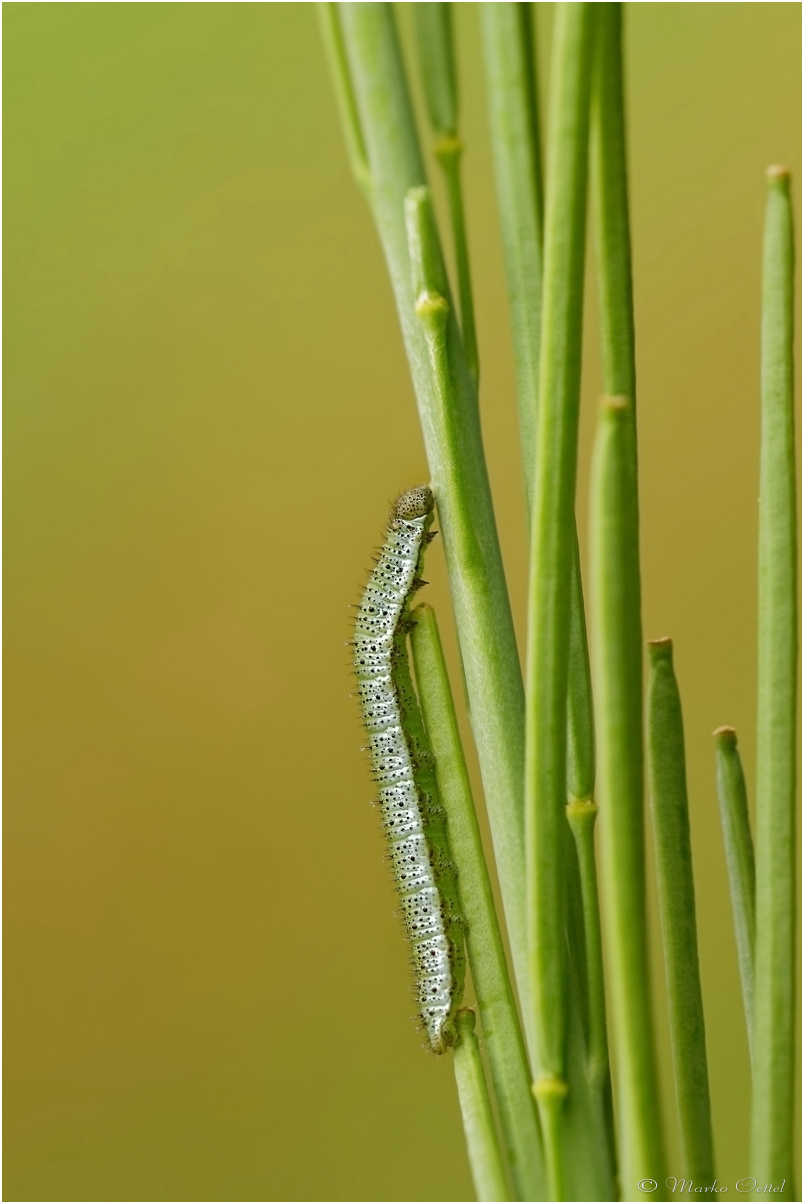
(404,768)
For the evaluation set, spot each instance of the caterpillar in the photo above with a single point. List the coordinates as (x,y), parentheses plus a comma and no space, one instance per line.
(404,769)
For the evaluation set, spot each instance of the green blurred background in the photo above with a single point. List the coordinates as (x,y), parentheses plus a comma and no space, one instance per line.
(207,412)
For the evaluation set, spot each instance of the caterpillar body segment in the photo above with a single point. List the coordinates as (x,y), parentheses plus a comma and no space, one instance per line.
(404,768)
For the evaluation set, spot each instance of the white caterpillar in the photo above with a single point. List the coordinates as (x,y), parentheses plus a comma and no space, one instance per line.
(404,768)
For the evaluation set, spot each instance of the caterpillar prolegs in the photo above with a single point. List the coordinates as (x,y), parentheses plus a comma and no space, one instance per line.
(404,768)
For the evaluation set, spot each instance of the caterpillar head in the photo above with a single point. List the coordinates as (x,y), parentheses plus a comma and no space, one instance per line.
(416,503)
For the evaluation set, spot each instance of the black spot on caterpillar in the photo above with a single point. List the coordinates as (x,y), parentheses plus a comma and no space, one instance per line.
(404,769)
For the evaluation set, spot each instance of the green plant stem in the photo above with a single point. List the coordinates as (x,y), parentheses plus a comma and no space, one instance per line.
(585,1111)
(588,1139)
(581,817)
(733,799)
(616,474)
(588,1168)
(587,1146)
(447,399)
(448,151)
(502,1035)
(550,1091)
(514,124)
(332,37)
(580,714)
(596,1129)
(609,198)
(488,1171)
(774,994)
(436,55)
(437,67)
(508,43)
(617,674)
(591,1071)
(552,553)
(671,831)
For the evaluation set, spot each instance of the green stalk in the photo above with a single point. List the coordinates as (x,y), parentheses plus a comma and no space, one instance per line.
(436,54)
(513,116)
(437,65)
(447,399)
(581,817)
(580,714)
(618,618)
(514,122)
(344,96)
(671,832)
(448,151)
(508,43)
(774,995)
(552,554)
(733,799)
(609,194)
(488,1171)
(586,1134)
(505,1047)
(587,1118)
(617,672)
(587,1072)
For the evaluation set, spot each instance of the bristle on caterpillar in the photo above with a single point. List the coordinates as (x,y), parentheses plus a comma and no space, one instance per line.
(404,769)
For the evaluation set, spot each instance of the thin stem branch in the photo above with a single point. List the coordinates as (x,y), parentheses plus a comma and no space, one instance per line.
(617,672)
(581,817)
(509,48)
(485,1159)
(580,713)
(344,95)
(502,1035)
(508,42)
(609,194)
(514,122)
(448,151)
(586,1116)
(436,55)
(671,831)
(618,620)
(587,1136)
(552,553)
(774,995)
(733,798)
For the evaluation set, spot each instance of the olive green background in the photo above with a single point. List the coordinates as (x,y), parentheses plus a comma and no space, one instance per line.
(207,412)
